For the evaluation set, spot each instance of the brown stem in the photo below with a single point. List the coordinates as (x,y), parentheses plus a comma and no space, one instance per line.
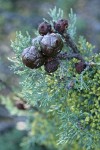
(69,56)
(72,45)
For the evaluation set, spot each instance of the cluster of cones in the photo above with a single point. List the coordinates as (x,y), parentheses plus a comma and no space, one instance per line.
(45,47)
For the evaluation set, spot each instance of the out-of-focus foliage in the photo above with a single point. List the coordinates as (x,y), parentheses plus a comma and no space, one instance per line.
(11,140)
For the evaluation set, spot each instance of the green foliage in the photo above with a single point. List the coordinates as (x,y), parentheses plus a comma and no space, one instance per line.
(41,132)
(71,112)
(55,14)
(84,102)
(11,140)
(72,28)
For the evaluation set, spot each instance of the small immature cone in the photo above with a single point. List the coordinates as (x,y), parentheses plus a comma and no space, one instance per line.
(32,58)
(80,66)
(61,25)
(44,28)
(51,44)
(51,65)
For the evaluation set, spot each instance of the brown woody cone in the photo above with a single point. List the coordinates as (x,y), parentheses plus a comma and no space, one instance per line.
(44,28)
(32,58)
(80,66)
(61,25)
(51,44)
(51,65)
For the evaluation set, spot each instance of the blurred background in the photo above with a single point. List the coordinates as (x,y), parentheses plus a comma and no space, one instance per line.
(25,15)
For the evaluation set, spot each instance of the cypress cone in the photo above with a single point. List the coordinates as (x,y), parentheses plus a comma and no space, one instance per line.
(51,65)
(44,28)
(32,58)
(61,25)
(51,44)
(80,66)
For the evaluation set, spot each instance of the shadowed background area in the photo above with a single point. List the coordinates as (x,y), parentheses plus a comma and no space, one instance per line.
(23,15)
